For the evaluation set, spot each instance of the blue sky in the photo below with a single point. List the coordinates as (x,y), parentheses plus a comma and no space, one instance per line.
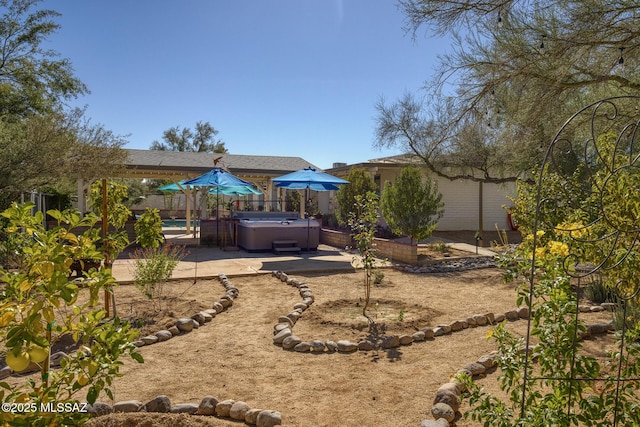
(275,77)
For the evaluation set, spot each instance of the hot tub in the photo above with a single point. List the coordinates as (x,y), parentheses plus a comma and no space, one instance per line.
(259,234)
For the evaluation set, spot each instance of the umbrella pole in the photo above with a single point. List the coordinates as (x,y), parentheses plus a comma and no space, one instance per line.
(307,213)
(218,215)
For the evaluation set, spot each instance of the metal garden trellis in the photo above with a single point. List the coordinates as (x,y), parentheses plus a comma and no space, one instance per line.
(577,145)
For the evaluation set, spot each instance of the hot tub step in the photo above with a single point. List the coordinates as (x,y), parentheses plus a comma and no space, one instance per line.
(282,246)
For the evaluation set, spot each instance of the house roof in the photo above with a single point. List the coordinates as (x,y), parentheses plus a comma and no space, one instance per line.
(178,165)
(397,161)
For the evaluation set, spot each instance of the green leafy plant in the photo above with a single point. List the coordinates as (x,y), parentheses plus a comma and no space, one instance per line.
(39,307)
(114,242)
(411,205)
(554,398)
(360,183)
(153,266)
(378,276)
(577,222)
(439,246)
(363,223)
(148,229)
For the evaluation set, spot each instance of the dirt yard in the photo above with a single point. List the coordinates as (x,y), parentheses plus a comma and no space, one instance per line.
(233,357)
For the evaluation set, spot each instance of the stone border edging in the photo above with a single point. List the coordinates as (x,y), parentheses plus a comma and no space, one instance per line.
(182,325)
(187,324)
(283,330)
(209,406)
(446,403)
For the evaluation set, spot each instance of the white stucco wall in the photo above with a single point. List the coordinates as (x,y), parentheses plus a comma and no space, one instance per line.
(462,202)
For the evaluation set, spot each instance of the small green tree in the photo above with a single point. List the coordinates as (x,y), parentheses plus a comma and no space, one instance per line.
(360,183)
(39,306)
(411,206)
(117,215)
(363,221)
(149,229)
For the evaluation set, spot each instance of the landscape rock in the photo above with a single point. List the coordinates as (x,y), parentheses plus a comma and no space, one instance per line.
(448,397)
(442,410)
(223,408)
(456,326)
(437,423)
(488,360)
(5,372)
(346,346)
(290,342)
(184,324)
(184,408)
(280,336)
(302,347)
(207,406)
(238,410)
(269,418)
(405,339)
(475,368)
(158,404)
(251,417)
(164,335)
(480,320)
(512,315)
(317,346)
(392,341)
(99,408)
(418,336)
(199,317)
(128,406)
(366,345)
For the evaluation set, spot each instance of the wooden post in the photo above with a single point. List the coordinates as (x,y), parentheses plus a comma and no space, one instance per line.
(480,214)
(105,231)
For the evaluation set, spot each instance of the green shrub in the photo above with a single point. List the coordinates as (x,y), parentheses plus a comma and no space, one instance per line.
(149,229)
(154,266)
(598,292)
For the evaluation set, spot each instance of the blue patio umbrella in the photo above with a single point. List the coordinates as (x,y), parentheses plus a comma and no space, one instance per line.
(218,177)
(309,179)
(220,189)
(219,180)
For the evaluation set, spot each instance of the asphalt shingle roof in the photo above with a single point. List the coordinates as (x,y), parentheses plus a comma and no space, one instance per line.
(175,164)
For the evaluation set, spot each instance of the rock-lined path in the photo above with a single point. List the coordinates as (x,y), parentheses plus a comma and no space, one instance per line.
(234,357)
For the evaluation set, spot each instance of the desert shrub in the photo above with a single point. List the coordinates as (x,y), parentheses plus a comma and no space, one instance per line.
(378,276)
(438,246)
(598,292)
(154,266)
(626,315)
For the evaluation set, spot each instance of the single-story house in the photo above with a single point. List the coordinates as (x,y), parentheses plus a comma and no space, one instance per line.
(176,166)
(468,205)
